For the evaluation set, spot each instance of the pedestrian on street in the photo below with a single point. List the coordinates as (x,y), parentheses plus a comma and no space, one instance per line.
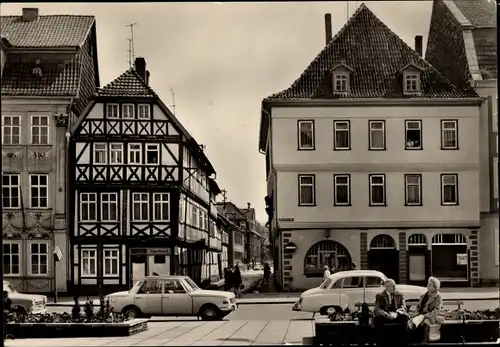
(237,281)
(353,266)
(7,307)
(327,272)
(228,279)
(267,273)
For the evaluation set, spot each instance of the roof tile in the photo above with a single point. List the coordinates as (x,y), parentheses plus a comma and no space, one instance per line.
(128,84)
(47,31)
(376,54)
(480,13)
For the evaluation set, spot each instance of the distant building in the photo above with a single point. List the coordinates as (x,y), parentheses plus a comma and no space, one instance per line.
(370,159)
(239,252)
(49,69)
(462,45)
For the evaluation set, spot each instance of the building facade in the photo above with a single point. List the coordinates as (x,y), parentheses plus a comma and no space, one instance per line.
(371,161)
(139,187)
(237,236)
(253,237)
(49,69)
(462,45)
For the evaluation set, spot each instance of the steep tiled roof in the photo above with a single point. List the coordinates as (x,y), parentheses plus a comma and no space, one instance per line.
(60,76)
(480,13)
(375,54)
(128,84)
(485,43)
(46,31)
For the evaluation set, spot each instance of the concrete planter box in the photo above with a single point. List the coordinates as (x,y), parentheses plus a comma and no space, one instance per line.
(52,330)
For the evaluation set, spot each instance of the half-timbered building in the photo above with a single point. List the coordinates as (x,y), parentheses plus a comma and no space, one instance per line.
(139,189)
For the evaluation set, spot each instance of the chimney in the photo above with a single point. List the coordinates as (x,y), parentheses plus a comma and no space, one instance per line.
(30,14)
(248,205)
(147,78)
(418,44)
(140,68)
(328,27)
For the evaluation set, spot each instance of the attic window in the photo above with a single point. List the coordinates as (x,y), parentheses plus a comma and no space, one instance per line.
(340,82)
(412,82)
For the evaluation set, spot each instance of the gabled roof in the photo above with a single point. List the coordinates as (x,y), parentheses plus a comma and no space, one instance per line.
(229,207)
(480,13)
(46,31)
(128,84)
(376,54)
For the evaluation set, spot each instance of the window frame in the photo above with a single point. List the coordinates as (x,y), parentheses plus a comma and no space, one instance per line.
(39,254)
(161,202)
(108,106)
(371,185)
(335,185)
(130,150)
(146,150)
(443,147)
(94,251)
(443,203)
(340,121)
(88,203)
(95,152)
(406,176)
(111,151)
(39,187)
(10,187)
(340,76)
(125,106)
(146,106)
(109,203)
(300,146)
(110,258)
(420,128)
(313,185)
(411,76)
(384,146)
(148,202)
(32,126)
(18,243)
(4,126)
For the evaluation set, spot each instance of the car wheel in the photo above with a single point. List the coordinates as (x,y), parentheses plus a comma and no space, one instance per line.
(132,312)
(210,313)
(324,310)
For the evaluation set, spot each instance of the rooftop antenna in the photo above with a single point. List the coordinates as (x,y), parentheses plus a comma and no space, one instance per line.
(130,60)
(173,100)
(347,13)
(132,52)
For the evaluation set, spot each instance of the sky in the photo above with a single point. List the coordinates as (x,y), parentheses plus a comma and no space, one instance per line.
(221,60)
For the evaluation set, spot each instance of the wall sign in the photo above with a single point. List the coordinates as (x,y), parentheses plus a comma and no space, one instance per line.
(290,247)
(462,259)
(286,219)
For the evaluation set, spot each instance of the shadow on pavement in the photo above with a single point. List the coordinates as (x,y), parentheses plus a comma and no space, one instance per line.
(236,339)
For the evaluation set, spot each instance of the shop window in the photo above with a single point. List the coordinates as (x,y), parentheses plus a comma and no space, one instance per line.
(382,242)
(417,240)
(329,253)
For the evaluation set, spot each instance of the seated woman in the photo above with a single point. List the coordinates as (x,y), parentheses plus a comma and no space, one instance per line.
(429,311)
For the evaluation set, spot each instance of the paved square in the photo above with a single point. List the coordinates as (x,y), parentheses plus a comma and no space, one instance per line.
(194,333)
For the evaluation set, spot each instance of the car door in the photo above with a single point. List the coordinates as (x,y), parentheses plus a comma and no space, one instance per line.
(352,286)
(148,299)
(373,286)
(176,300)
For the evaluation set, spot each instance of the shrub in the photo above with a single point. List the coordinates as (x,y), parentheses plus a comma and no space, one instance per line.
(76,310)
(89,310)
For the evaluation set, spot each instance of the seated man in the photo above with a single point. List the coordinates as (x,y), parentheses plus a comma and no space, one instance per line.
(390,308)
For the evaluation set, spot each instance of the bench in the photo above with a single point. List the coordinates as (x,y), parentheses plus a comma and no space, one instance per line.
(410,303)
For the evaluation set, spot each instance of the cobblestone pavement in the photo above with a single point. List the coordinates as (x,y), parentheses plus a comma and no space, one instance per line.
(195,333)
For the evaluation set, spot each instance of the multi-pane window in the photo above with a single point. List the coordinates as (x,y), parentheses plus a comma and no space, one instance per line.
(449,134)
(109,207)
(128,111)
(306,134)
(307,194)
(377,134)
(89,262)
(341,134)
(449,189)
(11,258)
(11,191)
(194,216)
(39,130)
(377,190)
(143,111)
(134,153)
(161,205)
(341,190)
(112,111)
(413,188)
(116,153)
(111,261)
(100,153)
(39,259)
(340,82)
(413,136)
(152,154)
(140,206)
(201,220)
(11,130)
(39,189)
(411,83)
(88,206)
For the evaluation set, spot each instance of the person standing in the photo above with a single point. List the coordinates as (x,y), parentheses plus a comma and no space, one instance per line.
(228,278)
(237,281)
(326,273)
(267,273)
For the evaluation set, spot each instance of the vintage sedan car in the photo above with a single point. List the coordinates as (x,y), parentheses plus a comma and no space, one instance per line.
(25,303)
(344,289)
(172,296)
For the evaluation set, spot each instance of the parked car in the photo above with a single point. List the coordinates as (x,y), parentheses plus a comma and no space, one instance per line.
(25,303)
(172,296)
(342,290)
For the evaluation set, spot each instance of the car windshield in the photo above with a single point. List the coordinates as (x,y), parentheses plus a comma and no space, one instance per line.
(8,287)
(137,285)
(326,283)
(191,283)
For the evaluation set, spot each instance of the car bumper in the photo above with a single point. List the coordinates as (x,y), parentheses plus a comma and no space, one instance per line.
(297,306)
(39,311)
(228,310)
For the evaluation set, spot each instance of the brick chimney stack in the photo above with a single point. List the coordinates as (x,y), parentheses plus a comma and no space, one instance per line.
(328,27)
(140,67)
(418,44)
(248,205)
(30,14)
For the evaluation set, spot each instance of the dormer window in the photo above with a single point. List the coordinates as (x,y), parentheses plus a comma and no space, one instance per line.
(412,82)
(340,81)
